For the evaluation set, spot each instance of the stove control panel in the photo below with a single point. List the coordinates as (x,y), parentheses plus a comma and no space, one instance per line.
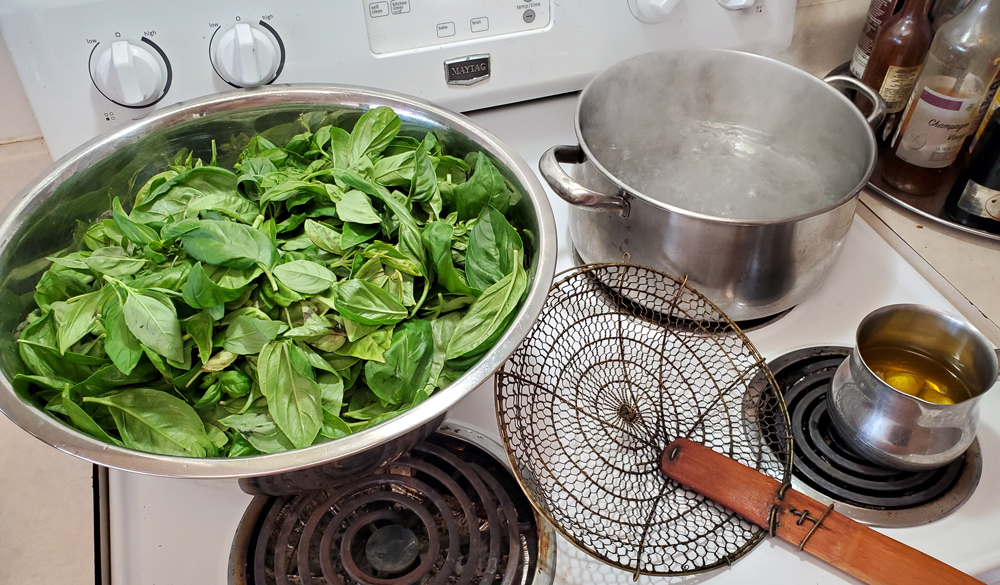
(88,66)
(399,25)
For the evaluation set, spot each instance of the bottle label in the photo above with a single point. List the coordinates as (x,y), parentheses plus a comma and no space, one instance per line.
(980,201)
(935,127)
(896,87)
(859,62)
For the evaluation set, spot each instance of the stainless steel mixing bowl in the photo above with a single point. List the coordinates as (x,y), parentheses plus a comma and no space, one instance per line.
(81,186)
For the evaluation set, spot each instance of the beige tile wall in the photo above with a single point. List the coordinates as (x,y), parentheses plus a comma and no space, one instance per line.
(826,32)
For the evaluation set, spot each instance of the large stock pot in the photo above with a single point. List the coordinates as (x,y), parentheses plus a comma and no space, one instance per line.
(80,187)
(637,124)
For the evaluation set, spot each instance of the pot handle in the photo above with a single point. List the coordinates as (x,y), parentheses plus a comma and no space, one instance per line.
(572,192)
(878,104)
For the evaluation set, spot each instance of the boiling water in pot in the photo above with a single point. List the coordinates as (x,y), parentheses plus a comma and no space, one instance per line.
(726,170)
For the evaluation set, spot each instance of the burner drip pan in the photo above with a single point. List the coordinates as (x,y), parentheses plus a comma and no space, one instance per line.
(826,468)
(449,512)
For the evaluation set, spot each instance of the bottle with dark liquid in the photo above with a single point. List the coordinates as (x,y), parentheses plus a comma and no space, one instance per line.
(975,199)
(878,12)
(896,59)
(963,59)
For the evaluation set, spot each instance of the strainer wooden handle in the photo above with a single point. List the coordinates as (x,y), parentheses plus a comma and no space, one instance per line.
(819,530)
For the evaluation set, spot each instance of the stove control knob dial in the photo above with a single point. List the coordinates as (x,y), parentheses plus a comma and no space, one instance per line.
(129,74)
(736,4)
(651,11)
(246,55)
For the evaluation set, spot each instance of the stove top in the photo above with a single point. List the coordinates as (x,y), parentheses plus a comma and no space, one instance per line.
(826,468)
(155,521)
(448,512)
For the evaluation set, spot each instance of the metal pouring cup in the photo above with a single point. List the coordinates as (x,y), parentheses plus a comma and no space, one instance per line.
(896,429)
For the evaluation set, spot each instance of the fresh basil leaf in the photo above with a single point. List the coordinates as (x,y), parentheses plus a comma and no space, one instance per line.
(231,204)
(489,316)
(225,243)
(171,278)
(77,317)
(152,318)
(200,292)
(154,421)
(324,237)
(437,238)
(370,347)
(395,170)
(305,277)
(86,423)
(199,326)
(373,132)
(333,427)
(424,185)
(355,207)
(390,256)
(260,431)
(138,233)
(357,233)
(485,187)
(247,335)
(492,251)
(367,304)
(331,392)
(169,201)
(405,369)
(122,346)
(220,361)
(293,396)
(442,330)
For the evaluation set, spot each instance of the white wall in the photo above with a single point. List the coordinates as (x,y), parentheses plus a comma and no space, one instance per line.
(825,34)
(16,120)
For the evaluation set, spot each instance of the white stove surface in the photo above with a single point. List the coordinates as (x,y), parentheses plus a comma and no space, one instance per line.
(168,531)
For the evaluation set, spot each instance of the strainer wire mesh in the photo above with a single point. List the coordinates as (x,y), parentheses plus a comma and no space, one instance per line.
(622,360)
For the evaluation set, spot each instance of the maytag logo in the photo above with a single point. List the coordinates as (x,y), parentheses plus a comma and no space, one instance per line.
(467,70)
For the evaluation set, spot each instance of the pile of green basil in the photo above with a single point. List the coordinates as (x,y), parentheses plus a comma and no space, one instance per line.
(323,287)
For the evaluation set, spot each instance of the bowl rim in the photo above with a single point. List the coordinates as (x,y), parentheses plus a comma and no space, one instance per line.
(65,438)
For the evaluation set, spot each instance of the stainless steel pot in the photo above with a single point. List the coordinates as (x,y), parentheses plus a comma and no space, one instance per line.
(80,186)
(627,122)
(897,429)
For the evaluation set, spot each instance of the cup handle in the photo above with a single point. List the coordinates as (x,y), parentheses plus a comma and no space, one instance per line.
(878,104)
(572,192)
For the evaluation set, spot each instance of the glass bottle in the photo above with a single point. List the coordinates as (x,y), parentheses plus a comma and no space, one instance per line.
(878,12)
(963,59)
(945,10)
(975,199)
(896,58)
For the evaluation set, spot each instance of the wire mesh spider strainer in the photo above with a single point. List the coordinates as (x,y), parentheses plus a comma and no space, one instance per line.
(622,361)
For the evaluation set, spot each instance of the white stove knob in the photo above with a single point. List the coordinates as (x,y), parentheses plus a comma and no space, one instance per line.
(246,56)
(129,74)
(651,11)
(736,4)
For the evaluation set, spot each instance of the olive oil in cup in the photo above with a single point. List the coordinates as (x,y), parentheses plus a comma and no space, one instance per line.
(908,396)
(916,374)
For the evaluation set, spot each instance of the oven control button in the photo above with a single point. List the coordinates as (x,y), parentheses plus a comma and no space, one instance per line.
(736,4)
(651,11)
(246,55)
(129,74)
